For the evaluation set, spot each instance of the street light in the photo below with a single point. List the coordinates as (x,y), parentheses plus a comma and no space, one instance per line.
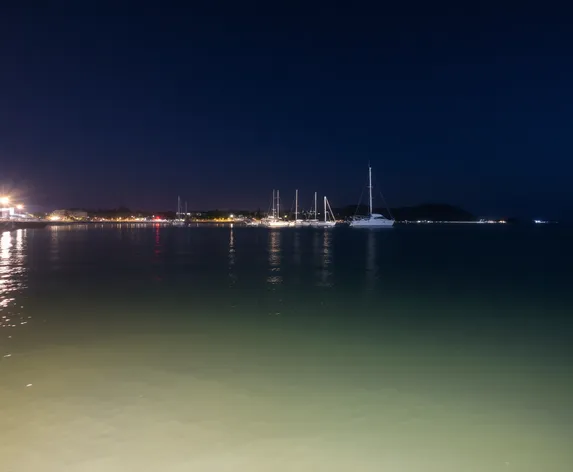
(4,200)
(20,207)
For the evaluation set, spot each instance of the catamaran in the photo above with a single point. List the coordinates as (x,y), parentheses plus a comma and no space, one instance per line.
(274,221)
(373,220)
(329,220)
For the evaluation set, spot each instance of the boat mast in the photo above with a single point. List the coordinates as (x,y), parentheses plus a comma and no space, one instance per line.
(273,206)
(370,187)
(330,209)
(278,205)
(315,208)
(325,209)
(178,215)
(296,205)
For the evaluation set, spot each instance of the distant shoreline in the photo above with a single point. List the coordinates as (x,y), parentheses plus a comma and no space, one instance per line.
(241,222)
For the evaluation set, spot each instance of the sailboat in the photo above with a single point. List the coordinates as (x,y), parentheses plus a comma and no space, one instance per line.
(274,221)
(329,220)
(178,220)
(312,221)
(373,220)
(297,222)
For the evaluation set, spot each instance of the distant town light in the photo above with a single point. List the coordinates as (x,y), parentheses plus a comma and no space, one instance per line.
(4,200)
(20,207)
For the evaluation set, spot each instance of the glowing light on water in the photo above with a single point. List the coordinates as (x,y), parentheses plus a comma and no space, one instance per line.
(5,244)
(274,250)
(232,275)
(19,240)
(12,277)
(326,262)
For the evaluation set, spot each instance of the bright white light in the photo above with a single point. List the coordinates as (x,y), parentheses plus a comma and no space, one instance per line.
(20,207)
(4,200)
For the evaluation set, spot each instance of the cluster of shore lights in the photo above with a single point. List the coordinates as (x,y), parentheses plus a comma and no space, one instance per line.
(5,201)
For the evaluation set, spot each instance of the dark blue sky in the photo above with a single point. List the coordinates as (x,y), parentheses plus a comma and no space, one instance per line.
(107,106)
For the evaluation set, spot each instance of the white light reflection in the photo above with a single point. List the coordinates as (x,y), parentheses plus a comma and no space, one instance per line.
(19,240)
(5,245)
(12,279)
(275,277)
(54,243)
(5,269)
(232,276)
(326,263)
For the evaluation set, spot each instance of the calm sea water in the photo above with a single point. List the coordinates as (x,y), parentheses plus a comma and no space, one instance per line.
(245,349)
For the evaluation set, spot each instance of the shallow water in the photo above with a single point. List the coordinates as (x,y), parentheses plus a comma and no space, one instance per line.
(230,349)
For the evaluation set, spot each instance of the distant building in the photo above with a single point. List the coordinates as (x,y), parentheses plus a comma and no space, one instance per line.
(69,215)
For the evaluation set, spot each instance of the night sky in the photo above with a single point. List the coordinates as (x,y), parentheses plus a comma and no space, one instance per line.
(101,107)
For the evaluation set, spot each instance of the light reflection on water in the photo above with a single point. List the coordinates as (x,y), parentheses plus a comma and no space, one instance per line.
(326,262)
(296,249)
(274,250)
(158,254)
(291,243)
(54,250)
(19,240)
(302,391)
(371,265)
(13,273)
(232,275)
(5,245)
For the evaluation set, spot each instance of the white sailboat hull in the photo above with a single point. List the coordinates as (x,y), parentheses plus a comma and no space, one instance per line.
(372,223)
(308,222)
(278,224)
(323,224)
